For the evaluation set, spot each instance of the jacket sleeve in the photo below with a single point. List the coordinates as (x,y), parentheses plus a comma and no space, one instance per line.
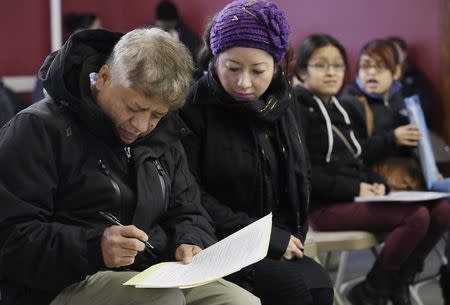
(378,147)
(327,187)
(226,220)
(35,251)
(186,221)
(375,147)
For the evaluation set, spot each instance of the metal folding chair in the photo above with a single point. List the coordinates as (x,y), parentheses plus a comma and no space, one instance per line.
(343,241)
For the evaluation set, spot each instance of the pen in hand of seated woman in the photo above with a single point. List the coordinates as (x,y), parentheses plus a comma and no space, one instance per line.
(374,189)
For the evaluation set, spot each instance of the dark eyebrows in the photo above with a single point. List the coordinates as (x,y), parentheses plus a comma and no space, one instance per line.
(255,64)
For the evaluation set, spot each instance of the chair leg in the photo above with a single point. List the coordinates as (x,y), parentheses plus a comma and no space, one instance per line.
(441,250)
(342,286)
(374,251)
(337,299)
(340,272)
(414,290)
(416,285)
(326,260)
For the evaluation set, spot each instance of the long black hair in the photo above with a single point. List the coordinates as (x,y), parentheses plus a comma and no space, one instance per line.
(205,54)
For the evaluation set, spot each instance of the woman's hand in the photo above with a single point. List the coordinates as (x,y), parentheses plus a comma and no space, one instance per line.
(294,249)
(379,189)
(407,135)
(367,189)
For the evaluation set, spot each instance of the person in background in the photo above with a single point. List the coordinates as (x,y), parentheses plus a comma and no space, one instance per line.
(375,101)
(10,103)
(415,82)
(169,20)
(106,140)
(375,104)
(412,79)
(73,23)
(246,149)
(339,175)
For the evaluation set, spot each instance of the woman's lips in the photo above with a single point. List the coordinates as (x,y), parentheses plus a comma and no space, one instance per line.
(330,82)
(244,96)
(371,84)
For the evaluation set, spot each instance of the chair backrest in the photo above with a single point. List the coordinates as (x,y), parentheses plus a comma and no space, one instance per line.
(311,249)
(341,240)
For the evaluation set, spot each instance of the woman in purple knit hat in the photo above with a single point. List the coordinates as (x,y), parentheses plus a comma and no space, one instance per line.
(246,149)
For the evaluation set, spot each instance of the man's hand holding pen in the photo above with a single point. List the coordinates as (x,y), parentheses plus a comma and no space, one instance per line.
(121,244)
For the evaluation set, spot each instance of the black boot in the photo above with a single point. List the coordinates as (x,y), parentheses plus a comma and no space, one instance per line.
(374,290)
(399,294)
(444,281)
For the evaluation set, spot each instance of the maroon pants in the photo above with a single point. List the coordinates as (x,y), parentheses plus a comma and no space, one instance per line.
(412,229)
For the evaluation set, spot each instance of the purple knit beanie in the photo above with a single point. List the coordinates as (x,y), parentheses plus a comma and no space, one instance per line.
(256,24)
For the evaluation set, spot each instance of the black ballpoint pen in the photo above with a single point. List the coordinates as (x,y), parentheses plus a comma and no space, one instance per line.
(116,221)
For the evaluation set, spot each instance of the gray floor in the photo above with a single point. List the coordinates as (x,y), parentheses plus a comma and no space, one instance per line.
(360,261)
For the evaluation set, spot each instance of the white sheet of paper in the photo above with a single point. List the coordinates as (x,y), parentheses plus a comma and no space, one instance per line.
(243,248)
(404,196)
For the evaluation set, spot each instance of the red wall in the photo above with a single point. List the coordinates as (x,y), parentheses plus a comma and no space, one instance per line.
(25,38)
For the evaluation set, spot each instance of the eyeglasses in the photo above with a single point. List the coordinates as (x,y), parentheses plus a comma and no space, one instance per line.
(379,66)
(324,67)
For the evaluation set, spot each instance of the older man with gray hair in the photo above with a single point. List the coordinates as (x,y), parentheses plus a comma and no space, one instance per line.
(104,145)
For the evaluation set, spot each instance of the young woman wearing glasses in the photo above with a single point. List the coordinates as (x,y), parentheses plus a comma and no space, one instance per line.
(339,175)
(375,103)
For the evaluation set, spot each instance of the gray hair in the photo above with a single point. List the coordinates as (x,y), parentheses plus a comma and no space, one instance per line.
(154,64)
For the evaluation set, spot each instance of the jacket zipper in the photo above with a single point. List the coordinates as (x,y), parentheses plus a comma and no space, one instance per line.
(308,191)
(160,170)
(127,150)
(114,184)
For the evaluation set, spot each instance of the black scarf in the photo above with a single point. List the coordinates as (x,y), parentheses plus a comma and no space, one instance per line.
(274,110)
